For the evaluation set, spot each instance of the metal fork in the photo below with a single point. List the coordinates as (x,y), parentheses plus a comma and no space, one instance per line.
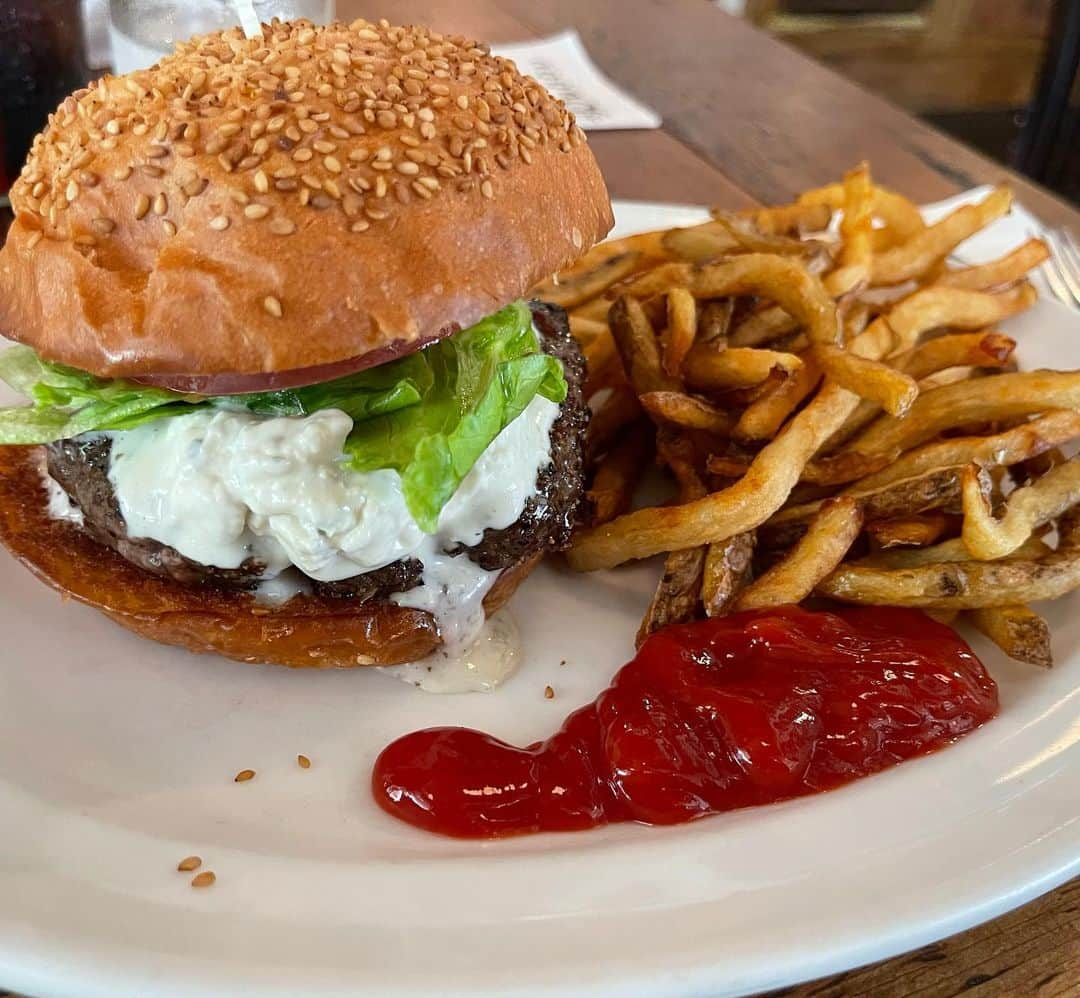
(1062,270)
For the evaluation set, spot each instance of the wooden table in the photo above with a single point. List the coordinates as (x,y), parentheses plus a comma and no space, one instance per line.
(746,120)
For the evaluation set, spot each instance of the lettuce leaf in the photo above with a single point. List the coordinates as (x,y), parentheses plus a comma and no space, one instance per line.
(429,415)
(483,378)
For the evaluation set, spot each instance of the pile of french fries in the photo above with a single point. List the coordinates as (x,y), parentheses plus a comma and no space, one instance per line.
(840,415)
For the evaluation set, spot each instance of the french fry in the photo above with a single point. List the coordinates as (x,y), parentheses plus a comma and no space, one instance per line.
(677,595)
(746,238)
(681,329)
(1028,507)
(856,227)
(763,327)
(575,288)
(736,367)
(946,551)
(1020,443)
(915,257)
(1018,631)
(986,349)
(893,390)
(982,349)
(688,411)
(1000,273)
(618,474)
(678,592)
(780,279)
(827,539)
(637,346)
(699,243)
(727,569)
(796,217)
(937,489)
(964,585)
(901,219)
(1005,396)
(919,530)
(714,322)
(931,308)
(762,419)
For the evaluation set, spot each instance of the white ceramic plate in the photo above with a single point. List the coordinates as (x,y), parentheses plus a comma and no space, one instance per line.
(117,758)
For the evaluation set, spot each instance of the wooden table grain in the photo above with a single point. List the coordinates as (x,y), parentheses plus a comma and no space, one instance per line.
(749,120)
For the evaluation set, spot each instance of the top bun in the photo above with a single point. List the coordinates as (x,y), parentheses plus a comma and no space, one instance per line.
(314,200)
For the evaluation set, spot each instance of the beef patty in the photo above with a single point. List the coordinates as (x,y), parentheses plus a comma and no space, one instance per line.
(81,466)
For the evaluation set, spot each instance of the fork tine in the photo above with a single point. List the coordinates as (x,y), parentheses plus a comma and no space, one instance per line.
(1064,284)
(1072,253)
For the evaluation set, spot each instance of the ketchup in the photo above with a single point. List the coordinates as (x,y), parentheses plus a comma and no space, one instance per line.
(713,715)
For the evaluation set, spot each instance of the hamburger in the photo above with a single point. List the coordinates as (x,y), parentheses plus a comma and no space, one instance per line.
(285,398)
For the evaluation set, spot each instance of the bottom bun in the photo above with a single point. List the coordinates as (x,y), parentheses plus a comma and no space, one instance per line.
(317,632)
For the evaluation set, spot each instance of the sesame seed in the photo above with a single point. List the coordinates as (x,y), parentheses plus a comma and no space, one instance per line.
(302,155)
(249,774)
(407,168)
(204,879)
(282,227)
(149,170)
(122,173)
(103,225)
(71,192)
(189,863)
(157,152)
(142,206)
(549,693)
(219,223)
(303,762)
(321,145)
(332,164)
(487,189)
(360,226)
(169,227)
(273,306)
(160,204)
(256,211)
(261,181)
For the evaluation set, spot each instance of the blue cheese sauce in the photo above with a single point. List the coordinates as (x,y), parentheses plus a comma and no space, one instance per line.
(223,487)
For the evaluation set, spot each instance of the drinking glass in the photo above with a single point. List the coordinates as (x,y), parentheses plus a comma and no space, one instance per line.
(41,62)
(142,31)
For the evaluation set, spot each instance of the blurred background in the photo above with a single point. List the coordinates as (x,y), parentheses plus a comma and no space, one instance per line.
(998,74)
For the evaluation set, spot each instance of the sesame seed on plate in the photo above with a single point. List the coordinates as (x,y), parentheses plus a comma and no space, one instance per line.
(245,774)
(189,863)
(204,879)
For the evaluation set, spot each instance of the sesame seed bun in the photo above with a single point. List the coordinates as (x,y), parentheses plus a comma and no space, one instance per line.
(307,632)
(259,212)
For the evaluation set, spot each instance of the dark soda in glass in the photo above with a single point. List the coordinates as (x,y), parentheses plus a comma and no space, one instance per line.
(42,60)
